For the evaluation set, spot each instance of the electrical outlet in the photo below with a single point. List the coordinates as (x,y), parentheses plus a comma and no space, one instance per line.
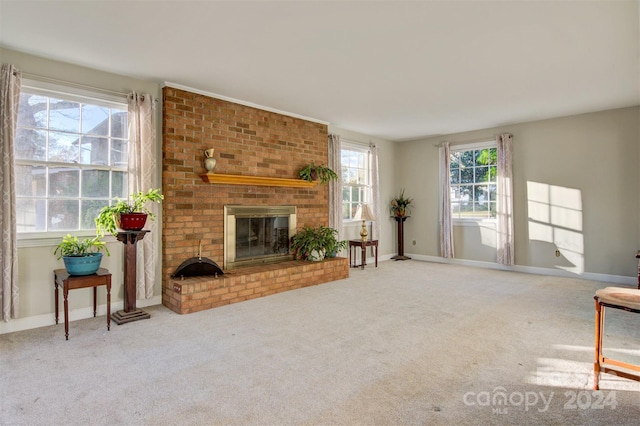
(557,253)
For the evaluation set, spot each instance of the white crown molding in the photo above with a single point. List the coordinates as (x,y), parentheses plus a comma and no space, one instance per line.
(241,102)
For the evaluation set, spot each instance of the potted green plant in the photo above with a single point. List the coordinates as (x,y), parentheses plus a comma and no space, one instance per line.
(401,205)
(128,215)
(322,173)
(316,243)
(81,257)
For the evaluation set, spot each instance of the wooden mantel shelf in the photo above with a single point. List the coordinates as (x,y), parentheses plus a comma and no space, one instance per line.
(255,180)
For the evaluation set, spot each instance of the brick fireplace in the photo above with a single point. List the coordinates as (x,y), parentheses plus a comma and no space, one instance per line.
(249,142)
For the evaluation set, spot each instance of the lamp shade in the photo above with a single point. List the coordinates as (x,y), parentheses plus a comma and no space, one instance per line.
(364,213)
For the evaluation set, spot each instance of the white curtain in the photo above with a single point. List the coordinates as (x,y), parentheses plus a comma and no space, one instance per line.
(335,187)
(142,177)
(446,221)
(9,100)
(375,194)
(504,207)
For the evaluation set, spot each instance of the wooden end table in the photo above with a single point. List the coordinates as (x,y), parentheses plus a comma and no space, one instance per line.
(363,246)
(61,278)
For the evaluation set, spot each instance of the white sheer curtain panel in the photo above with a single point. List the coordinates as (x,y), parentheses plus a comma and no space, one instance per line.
(446,221)
(504,205)
(9,101)
(375,193)
(142,177)
(335,187)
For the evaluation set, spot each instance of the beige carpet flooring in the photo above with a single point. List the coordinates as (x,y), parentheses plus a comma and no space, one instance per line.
(408,343)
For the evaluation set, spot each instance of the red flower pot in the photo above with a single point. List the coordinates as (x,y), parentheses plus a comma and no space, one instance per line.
(132,221)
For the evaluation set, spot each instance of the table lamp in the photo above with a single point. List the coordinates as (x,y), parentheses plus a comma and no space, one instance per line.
(364,213)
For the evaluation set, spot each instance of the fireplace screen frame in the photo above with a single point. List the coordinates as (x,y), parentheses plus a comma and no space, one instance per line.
(234,212)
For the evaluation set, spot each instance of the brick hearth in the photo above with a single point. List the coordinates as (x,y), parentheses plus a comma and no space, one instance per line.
(199,293)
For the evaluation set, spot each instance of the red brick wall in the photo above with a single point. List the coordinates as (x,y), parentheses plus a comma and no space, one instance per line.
(247,141)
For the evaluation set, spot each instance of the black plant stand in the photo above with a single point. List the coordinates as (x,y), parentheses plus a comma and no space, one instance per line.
(400,220)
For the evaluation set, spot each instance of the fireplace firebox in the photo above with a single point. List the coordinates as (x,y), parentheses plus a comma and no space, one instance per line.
(254,235)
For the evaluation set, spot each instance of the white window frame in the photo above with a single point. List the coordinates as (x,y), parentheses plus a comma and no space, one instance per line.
(52,238)
(471,221)
(367,187)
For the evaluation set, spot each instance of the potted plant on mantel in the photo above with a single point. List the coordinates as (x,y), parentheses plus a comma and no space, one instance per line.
(128,215)
(322,173)
(81,257)
(316,243)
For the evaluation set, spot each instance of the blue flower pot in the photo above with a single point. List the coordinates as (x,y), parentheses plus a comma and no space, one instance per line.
(82,265)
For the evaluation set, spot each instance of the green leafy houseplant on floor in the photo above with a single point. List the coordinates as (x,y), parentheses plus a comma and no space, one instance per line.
(108,219)
(322,173)
(316,243)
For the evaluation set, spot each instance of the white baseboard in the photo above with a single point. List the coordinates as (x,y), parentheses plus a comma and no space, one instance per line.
(74,315)
(613,279)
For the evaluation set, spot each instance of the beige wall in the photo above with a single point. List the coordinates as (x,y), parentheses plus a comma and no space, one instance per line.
(588,162)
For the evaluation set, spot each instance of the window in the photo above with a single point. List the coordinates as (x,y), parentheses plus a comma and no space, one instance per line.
(356,181)
(71,159)
(472,179)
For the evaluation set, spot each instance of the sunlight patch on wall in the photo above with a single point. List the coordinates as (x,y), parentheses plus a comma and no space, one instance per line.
(555,217)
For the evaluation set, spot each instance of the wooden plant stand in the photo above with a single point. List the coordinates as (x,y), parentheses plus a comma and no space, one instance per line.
(130,312)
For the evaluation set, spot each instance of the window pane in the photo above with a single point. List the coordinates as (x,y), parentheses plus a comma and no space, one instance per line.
(481,195)
(95,120)
(64,115)
(482,157)
(492,193)
(32,111)
(90,209)
(63,215)
(119,153)
(454,160)
(481,211)
(63,182)
(30,144)
(95,183)
(466,158)
(119,123)
(482,174)
(63,147)
(119,185)
(31,181)
(493,173)
(466,175)
(30,215)
(94,151)
(454,176)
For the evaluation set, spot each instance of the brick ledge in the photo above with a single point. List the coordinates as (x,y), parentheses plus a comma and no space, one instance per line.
(195,294)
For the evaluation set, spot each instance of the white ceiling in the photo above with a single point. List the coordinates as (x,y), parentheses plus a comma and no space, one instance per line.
(390,69)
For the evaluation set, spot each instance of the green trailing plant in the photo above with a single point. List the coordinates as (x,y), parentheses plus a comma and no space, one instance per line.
(72,246)
(311,243)
(322,173)
(400,205)
(106,222)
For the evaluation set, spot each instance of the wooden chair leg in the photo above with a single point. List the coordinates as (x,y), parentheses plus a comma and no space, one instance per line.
(598,346)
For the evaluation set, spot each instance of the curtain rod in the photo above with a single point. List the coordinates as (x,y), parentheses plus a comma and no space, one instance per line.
(68,83)
(76,85)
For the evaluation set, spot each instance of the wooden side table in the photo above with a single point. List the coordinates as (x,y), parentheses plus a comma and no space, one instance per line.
(61,278)
(363,246)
